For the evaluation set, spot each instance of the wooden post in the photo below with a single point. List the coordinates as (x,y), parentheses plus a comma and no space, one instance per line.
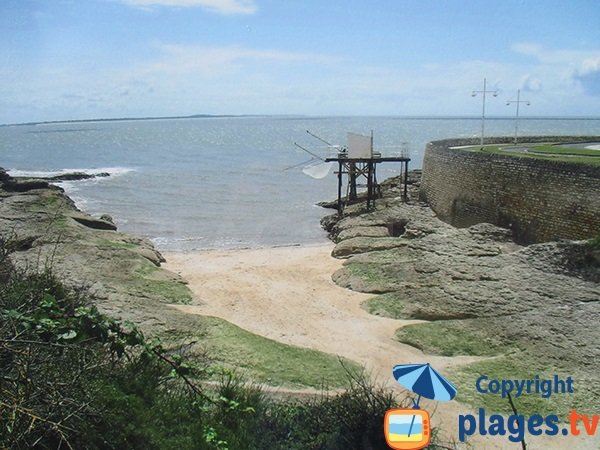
(405,181)
(340,166)
(369,183)
(352,180)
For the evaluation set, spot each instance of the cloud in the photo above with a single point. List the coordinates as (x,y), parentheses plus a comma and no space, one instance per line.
(572,58)
(215,61)
(589,76)
(573,67)
(531,83)
(217,6)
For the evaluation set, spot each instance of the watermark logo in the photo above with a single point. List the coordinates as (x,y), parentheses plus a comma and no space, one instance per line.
(517,426)
(407,429)
(410,428)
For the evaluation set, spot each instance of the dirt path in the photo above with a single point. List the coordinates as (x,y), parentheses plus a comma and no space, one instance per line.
(286,294)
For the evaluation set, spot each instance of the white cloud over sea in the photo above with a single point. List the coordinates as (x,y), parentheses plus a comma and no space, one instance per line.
(217,6)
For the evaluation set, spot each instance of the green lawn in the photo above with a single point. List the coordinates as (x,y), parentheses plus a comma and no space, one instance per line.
(547,151)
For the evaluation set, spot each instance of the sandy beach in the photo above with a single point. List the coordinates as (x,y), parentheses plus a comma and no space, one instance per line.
(286,294)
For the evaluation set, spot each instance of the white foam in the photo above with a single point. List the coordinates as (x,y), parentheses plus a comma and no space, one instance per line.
(593,147)
(113,171)
(165,241)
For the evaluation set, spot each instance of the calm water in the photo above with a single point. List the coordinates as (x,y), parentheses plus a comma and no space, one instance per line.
(221,182)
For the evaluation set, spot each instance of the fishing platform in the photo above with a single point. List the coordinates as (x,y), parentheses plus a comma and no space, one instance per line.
(358,160)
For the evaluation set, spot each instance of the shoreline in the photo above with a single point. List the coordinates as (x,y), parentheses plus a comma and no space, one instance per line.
(301,296)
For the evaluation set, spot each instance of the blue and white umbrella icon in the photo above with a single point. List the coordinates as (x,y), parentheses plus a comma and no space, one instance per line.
(425,381)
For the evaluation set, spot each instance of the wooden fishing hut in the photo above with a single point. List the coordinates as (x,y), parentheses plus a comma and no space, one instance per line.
(359,160)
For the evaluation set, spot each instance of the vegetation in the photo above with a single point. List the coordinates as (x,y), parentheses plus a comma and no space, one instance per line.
(544,151)
(272,362)
(451,338)
(71,378)
(389,305)
(594,243)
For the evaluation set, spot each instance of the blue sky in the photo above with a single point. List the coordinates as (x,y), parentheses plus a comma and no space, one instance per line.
(72,59)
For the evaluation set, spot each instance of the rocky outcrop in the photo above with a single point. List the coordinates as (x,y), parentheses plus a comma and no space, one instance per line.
(25,184)
(44,229)
(541,302)
(92,222)
(10,184)
(76,176)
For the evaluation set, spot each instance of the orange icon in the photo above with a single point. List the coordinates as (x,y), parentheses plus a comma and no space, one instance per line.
(407,429)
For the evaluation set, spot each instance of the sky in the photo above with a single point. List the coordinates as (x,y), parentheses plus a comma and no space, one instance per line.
(85,59)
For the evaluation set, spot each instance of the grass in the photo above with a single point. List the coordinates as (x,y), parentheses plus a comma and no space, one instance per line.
(594,243)
(451,338)
(555,150)
(148,280)
(373,275)
(167,290)
(49,201)
(386,305)
(107,243)
(272,362)
(370,272)
(545,151)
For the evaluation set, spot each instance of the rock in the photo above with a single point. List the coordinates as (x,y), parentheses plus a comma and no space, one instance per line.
(595,256)
(14,185)
(76,176)
(543,300)
(45,230)
(363,232)
(488,231)
(151,255)
(91,222)
(363,244)
(4,177)
(107,218)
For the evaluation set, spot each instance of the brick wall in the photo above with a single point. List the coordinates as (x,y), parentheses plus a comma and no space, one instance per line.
(540,200)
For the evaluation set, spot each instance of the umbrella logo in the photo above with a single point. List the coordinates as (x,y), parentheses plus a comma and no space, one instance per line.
(410,429)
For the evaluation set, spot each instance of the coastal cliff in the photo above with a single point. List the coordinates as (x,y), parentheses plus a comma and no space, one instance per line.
(124,277)
(121,272)
(519,310)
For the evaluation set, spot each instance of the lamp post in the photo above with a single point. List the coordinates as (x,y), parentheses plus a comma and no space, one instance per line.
(484,92)
(518,101)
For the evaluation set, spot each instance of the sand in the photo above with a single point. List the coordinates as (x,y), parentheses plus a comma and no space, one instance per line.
(286,294)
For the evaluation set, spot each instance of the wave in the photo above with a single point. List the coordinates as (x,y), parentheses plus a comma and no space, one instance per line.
(175,243)
(113,171)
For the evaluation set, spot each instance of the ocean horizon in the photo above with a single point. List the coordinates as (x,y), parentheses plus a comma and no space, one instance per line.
(227,181)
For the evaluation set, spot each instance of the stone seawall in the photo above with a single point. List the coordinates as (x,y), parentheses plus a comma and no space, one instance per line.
(540,200)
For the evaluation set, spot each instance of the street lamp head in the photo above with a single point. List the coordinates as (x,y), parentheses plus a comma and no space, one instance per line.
(495,94)
(473,94)
(528,104)
(507,103)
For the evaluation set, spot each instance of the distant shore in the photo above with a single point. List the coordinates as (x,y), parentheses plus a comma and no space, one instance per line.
(217,116)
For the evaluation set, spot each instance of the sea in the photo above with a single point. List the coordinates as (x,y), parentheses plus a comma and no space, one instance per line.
(228,182)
